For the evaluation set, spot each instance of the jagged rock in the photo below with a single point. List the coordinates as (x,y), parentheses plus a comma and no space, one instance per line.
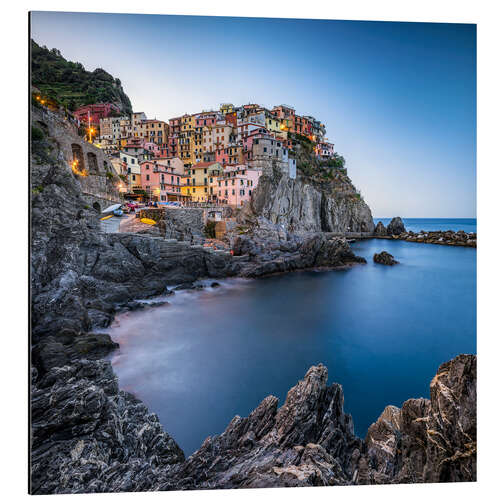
(380,229)
(88,436)
(429,440)
(396,227)
(384,258)
(308,441)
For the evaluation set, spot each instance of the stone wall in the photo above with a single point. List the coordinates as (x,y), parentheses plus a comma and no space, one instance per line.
(91,160)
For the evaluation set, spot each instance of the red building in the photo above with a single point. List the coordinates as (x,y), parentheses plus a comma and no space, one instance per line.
(97,111)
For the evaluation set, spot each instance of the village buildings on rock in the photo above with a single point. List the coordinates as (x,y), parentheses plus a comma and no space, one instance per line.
(210,157)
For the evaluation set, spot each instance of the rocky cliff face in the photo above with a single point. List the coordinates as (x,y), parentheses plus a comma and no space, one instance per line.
(309,204)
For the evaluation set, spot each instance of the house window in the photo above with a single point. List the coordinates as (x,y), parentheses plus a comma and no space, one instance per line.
(147,177)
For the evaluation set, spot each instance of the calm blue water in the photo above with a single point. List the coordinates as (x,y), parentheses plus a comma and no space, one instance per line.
(381,331)
(416,225)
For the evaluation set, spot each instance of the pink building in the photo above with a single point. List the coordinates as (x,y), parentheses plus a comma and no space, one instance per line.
(325,150)
(153,148)
(206,119)
(160,181)
(222,156)
(236,184)
(248,141)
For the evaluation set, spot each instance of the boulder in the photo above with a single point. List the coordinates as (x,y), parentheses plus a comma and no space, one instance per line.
(384,258)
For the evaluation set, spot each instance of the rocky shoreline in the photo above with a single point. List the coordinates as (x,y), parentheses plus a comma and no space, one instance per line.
(88,436)
(396,231)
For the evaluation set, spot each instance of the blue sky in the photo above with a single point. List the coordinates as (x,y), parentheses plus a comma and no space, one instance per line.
(398,99)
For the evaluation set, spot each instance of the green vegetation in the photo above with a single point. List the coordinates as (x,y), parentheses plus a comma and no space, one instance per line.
(337,161)
(209,229)
(109,175)
(68,84)
(37,189)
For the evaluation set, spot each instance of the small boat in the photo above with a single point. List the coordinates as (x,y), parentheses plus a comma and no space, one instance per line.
(112,208)
(107,217)
(118,212)
(151,222)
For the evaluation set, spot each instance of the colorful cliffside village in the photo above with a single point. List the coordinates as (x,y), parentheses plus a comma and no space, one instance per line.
(213,157)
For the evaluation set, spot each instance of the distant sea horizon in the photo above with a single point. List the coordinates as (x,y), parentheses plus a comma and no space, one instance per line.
(416,224)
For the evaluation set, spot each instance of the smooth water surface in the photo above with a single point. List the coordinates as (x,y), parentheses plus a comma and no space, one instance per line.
(416,225)
(381,331)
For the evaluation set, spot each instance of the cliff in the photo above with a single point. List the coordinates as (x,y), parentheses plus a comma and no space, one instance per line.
(320,199)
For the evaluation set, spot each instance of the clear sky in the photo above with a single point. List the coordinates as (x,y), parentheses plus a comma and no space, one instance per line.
(398,99)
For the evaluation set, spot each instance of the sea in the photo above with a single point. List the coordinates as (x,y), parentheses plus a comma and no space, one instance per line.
(204,356)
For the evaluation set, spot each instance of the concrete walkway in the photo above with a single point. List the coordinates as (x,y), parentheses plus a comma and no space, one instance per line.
(112,225)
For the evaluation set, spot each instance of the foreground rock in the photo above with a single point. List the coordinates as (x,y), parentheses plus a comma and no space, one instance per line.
(88,436)
(384,258)
(429,440)
(309,441)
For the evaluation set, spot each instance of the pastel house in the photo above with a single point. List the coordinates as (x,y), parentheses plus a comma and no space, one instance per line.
(236,184)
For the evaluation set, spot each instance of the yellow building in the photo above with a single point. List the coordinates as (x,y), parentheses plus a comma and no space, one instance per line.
(187,127)
(154,131)
(200,181)
(196,145)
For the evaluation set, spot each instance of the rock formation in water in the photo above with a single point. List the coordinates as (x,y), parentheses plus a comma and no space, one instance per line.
(384,258)
(396,227)
(380,229)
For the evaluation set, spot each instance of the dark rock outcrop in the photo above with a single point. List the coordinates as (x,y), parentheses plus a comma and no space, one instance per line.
(384,258)
(268,248)
(396,227)
(309,441)
(87,436)
(429,440)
